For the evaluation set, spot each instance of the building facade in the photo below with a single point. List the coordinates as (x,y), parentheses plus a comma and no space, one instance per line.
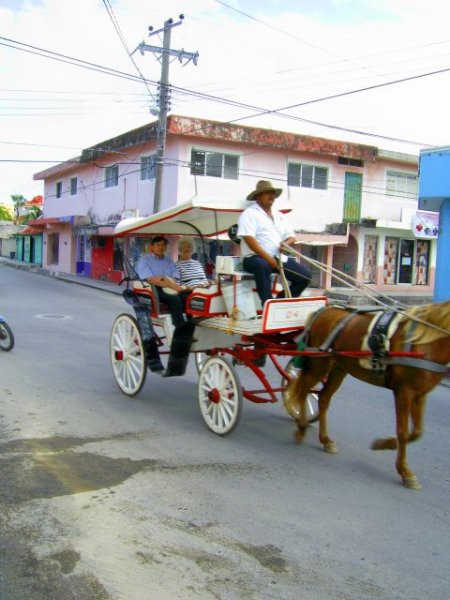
(353,205)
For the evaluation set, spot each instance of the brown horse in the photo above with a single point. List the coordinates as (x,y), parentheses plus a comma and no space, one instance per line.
(423,329)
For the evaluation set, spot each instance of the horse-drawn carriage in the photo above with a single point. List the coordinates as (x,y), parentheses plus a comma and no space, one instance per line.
(231,326)
(386,346)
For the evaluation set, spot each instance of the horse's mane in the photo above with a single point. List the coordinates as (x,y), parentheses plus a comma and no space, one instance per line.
(436,314)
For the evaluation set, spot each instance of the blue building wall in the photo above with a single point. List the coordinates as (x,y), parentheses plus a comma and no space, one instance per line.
(434,194)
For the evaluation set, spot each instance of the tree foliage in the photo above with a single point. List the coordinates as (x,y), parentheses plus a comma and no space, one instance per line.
(34,212)
(5,213)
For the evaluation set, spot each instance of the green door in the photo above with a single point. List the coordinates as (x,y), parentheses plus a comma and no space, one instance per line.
(38,250)
(352,197)
(26,249)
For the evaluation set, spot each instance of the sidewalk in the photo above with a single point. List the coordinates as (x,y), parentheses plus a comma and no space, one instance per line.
(106,286)
(344,294)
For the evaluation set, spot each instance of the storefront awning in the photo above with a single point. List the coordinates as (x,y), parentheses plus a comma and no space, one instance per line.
(318,239)
(44,221)
(30,231)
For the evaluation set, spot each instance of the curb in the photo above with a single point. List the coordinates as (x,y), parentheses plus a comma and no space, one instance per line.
(109,287)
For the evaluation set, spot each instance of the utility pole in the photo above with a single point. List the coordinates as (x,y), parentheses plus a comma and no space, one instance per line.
(164,55)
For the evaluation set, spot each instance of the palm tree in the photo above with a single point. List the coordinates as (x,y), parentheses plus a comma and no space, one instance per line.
(19,201)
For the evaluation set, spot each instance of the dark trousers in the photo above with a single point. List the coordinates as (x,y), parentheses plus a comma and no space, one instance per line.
(176,304)
(297,275)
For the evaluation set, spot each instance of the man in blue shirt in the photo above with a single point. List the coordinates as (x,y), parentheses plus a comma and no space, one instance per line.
(161,271)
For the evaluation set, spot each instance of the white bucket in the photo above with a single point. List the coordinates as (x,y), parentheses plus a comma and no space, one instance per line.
(240,296)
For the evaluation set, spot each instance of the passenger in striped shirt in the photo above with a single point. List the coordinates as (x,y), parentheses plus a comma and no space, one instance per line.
(191,271)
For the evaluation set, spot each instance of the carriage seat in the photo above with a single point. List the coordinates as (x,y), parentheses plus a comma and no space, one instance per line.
(147,292)
(232,266)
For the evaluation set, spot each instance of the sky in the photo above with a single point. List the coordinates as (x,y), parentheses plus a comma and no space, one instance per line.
(329,68)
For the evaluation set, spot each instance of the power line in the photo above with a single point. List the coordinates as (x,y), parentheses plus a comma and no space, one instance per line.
(107,70)
(116,25)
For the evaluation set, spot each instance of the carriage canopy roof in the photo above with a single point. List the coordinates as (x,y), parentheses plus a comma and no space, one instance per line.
(194,217)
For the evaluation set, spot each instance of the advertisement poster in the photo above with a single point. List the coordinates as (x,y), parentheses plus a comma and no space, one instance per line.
(426,224)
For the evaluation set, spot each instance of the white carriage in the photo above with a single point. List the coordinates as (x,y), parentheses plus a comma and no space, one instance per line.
(231,326)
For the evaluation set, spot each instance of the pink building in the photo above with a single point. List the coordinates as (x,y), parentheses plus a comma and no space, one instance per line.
(354,205)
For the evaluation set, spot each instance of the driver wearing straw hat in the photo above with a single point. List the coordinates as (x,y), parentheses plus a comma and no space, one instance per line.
(263,231)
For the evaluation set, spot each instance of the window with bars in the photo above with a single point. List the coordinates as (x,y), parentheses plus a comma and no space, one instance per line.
(351,162)
(112,176)
(58,189)
(148,167)
(401,184)
(309,176)
(214,164)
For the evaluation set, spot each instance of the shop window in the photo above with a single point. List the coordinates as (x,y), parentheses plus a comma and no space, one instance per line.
(422,262)
(406,261)
(370,259)
(390,260)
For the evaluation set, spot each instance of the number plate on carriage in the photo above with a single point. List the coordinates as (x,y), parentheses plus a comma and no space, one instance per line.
(289,313)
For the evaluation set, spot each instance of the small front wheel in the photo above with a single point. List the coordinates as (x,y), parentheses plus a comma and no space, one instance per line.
(219,395)
(312,399)
(128,359)
(6,337)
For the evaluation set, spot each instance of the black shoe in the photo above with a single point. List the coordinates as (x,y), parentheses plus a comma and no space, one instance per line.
(175,367)
(156,366)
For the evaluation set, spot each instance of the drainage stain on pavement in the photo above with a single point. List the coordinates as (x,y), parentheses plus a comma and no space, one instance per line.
(46,468)
(268,556)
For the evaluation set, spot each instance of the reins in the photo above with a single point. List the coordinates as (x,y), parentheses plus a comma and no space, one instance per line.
(352,283)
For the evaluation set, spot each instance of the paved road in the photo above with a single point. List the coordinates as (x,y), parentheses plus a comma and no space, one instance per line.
(107,497)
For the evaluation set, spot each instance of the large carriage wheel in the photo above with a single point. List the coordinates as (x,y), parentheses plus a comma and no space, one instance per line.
(127,355)
(6,337)
(219,395)
(312,399)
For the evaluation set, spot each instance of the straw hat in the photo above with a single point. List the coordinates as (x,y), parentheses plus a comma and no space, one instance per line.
(261,187)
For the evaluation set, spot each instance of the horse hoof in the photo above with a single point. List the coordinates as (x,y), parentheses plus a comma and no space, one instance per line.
(412,483)
(330,447)
(299,435)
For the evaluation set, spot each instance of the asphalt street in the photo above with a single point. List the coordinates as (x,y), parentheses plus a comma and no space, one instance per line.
(109,497)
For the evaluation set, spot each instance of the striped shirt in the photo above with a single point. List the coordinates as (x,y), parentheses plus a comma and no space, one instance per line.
(191,273)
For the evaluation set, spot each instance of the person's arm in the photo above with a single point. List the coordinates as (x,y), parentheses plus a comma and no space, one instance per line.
(256,247)
(169,280)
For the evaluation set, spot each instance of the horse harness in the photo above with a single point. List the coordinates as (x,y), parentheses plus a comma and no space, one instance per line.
(377,340)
